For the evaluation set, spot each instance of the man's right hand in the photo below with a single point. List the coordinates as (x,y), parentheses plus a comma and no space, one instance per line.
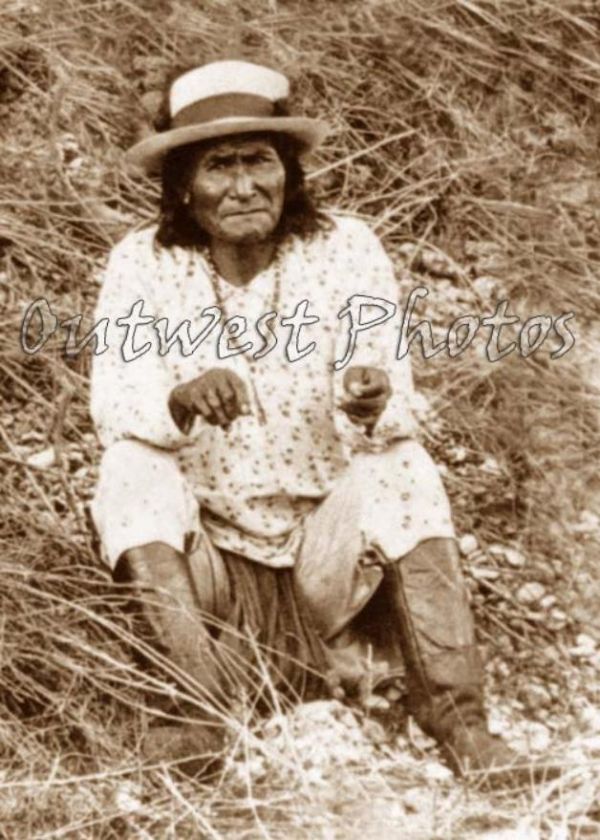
(219,395)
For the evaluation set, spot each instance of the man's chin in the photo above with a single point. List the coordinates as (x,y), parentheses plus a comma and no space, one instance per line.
(249,237)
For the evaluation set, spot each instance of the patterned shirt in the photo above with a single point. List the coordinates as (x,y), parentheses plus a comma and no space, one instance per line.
(258,479)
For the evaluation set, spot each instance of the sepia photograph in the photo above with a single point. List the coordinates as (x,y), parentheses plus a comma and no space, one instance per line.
(300,419)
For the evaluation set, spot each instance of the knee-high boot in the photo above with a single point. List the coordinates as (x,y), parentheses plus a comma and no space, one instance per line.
(429,600)
(164,593)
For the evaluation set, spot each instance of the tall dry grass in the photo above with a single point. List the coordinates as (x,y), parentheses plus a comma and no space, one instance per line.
(469,127)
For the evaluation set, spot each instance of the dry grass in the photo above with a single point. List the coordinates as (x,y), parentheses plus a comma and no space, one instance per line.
(470,127)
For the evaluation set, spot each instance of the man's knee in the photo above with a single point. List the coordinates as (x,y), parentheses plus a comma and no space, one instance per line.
(135,457)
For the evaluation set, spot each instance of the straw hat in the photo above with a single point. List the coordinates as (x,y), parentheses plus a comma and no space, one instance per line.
(221,99)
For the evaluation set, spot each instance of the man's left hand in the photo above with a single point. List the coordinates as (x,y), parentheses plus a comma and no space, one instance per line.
(368,391)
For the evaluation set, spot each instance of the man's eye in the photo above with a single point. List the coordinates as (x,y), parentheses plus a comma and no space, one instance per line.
(258,159)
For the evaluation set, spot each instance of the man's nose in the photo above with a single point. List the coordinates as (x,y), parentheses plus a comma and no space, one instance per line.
(242,183)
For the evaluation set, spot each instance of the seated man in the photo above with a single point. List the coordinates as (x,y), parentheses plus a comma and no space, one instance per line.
(260,468)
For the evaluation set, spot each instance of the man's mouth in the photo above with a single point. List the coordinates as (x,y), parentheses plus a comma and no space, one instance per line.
(246,212)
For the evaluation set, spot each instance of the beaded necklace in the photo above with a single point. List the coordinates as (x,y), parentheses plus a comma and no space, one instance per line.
(215,281)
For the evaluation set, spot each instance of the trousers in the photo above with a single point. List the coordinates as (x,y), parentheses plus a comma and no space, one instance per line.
(379,509)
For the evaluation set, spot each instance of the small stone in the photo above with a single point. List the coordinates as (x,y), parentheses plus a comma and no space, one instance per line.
(436,772)
(557,619)
(393,693)
(510,555)
(530,593)
(535,697)
(583,640)
(548,601)
(468,544)
(374,731)
(538,737)
(491,466)
(498,722)
(514,558)
(373,702)
(43,460)
(496,549)
(483,573)
(585,646)
(503,668)
(589,719)
(485,286)
(588,523)
(458,454)
(439,264)
(128,798)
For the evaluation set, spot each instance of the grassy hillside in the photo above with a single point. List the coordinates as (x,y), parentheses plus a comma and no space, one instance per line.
(467,133)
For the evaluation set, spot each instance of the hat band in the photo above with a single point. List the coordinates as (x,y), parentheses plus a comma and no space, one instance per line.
(222,106)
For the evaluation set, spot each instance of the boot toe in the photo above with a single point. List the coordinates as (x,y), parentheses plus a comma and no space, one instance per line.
(486,761)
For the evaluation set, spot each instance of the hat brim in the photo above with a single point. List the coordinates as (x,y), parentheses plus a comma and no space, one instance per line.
(148,153)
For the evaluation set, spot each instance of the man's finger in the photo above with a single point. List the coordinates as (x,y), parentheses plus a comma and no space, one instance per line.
(214,401)
(363,407)
(202,407)
(241,394)
(368,389)
(228,399)
(363,419)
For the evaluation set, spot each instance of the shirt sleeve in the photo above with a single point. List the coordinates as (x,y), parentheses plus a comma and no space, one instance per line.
(129,396)
(369,277)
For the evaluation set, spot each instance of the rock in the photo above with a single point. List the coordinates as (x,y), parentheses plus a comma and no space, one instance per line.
(548,601)
(510,555)
(485,286)
(491,466)
(468,544)
(393,693)
(583,640)
(458,454)
(128,798)
(439,264)
(375,703)
(535,697)
(530,593)
(557,619)
(533,737)
(589,719)
(585,646)
(374,731)
(588,523)
(43,460)
(429,259)
(436,772)
(514,558)
(483,573)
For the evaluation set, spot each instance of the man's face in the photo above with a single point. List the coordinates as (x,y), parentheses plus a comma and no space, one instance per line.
(237,190)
